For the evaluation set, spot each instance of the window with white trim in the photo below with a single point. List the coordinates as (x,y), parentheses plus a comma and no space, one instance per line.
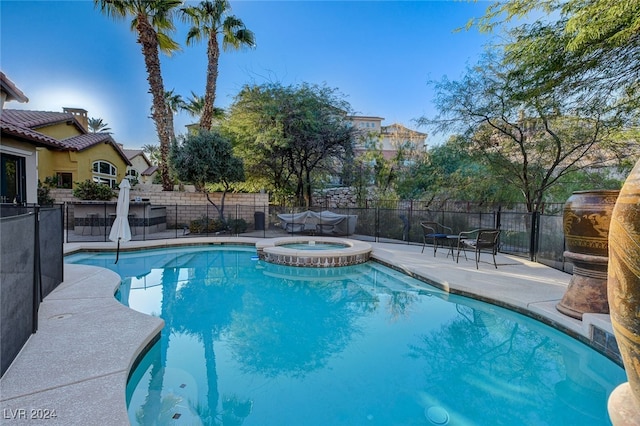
(105,173)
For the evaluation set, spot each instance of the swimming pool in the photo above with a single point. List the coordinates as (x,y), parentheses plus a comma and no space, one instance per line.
(255,343)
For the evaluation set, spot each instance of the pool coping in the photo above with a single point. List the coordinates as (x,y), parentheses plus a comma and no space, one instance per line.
(354,252)
(79,360)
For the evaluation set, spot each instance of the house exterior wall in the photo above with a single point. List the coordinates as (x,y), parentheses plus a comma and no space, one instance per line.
(139,164)
(27,151)
(59,131)
(147,180)
(104,152)
(366,123)
(387,139)
(79,163)
(52,162)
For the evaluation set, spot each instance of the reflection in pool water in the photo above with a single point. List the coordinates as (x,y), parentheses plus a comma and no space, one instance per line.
(253,343)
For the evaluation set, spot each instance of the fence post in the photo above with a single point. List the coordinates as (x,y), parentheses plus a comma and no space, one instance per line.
(377,224)
(65,219)
(37,277)
(410,222)
(104,215)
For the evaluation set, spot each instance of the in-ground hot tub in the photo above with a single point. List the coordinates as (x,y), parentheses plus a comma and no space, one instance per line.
(313,252)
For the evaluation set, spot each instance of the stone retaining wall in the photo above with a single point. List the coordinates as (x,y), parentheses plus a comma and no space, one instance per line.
(336,198)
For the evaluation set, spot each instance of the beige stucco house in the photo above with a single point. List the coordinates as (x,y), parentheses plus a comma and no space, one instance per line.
(372,135)
(141,169)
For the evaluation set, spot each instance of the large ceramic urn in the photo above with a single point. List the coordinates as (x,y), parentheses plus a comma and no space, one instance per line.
(586,219)
(624,298)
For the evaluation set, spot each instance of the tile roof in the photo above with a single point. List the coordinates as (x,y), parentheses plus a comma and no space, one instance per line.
(87,140)
(133,153)
(22,123)
(35,119)
(151,170)
(29,135)
(81,142)
(12,91)
(130,153)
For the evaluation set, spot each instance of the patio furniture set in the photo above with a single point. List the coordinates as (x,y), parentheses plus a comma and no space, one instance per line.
(477,241)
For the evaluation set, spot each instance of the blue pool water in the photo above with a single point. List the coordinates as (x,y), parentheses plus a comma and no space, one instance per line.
(252,343)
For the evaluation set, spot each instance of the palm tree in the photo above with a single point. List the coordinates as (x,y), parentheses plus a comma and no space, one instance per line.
(174,104)
(152,22)
(153,152)
(96,125)
(209,19)
(194,105)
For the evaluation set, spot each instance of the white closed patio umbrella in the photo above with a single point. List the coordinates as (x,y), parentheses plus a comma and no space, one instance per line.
(120,230)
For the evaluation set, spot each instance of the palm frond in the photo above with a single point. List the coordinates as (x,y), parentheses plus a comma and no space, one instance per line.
(166,44)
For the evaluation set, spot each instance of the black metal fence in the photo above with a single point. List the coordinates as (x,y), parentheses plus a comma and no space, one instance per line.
(31,267)
(447,205)
(535,236)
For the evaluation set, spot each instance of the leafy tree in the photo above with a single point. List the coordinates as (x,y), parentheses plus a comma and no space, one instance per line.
(152,22)
(210,19)
(592,179)
(372,165)
(290,135)
(44,194)
(590,47)
(451,172)
(528,139)
(96,125)
(205,158)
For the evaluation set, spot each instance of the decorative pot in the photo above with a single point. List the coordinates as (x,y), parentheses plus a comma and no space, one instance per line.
(586,219)
(624,297)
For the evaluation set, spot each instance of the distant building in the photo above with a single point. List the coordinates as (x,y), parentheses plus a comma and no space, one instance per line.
(389,140)
(395,143)
(141,168)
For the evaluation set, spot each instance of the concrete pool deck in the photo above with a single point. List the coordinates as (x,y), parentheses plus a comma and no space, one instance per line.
(79,360)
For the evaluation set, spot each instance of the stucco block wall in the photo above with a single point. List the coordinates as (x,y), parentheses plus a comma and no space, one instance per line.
(183,207)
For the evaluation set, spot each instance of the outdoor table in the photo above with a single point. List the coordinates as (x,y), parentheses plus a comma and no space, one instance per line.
(453,241)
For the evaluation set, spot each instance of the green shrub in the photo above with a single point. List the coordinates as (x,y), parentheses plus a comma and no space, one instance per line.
(89,190)
(196,226)
(44,197)
(237,226)
(204,224)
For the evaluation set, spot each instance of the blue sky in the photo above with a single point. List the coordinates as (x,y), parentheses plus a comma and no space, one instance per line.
(380,54)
